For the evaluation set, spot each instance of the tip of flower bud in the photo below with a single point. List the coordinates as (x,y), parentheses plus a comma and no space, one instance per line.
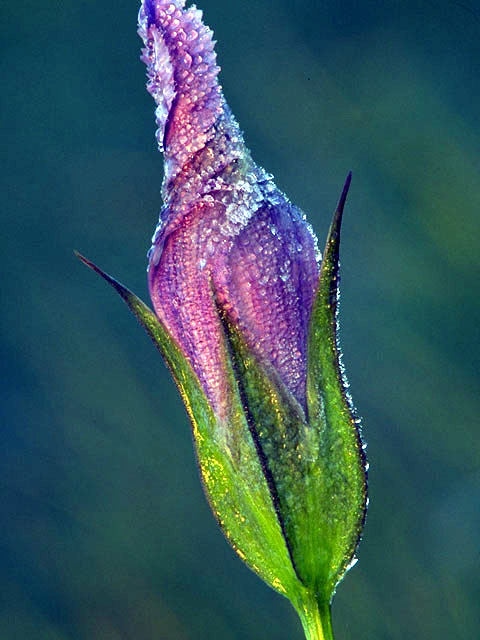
(181,64)
(149,8)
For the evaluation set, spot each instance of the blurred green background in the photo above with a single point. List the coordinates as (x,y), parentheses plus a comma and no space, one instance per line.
(104,531)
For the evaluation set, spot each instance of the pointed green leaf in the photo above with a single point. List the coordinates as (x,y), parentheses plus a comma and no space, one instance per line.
(281,435)
(231,471)
(340,481)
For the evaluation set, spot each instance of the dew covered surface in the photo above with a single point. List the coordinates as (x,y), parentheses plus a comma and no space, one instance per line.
(225,226)
(104,530)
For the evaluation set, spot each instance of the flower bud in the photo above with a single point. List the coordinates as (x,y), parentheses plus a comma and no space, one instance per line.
(246,319)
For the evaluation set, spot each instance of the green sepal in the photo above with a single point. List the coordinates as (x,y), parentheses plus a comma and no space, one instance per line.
(288,488)
(341,467)
(287,448)
(231,472)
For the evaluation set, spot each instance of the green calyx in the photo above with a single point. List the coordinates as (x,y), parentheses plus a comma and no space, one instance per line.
(288,489)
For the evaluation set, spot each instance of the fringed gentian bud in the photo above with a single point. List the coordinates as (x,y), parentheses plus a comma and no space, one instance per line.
(246,320)
(225,226)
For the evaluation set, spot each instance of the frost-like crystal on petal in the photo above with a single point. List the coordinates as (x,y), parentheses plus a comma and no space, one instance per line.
(225,227)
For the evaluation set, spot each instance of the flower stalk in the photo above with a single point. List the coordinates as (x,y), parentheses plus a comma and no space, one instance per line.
(316,620)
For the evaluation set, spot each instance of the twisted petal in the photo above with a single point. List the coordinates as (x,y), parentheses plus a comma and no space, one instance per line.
(225,227)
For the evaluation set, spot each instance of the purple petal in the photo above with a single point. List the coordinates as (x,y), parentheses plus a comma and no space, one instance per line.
(272,277)
(182,78)
(224,224)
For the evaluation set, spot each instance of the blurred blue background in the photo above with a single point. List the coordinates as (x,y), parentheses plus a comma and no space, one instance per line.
(104,531)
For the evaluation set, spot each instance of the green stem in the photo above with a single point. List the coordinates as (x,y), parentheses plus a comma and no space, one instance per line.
(316,620)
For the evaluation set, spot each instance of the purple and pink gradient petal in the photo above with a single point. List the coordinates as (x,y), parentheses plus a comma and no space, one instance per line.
(224,226)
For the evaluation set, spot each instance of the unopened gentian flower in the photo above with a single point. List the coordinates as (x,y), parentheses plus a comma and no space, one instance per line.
(246,318)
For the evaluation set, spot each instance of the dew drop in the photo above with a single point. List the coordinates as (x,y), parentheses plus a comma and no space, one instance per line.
(187,59)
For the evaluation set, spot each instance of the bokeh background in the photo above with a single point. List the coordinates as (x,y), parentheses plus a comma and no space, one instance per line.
(104,531)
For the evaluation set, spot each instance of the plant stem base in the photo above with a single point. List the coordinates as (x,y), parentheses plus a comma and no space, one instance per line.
(316,620)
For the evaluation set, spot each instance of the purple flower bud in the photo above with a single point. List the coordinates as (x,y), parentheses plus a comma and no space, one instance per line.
(226,236)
